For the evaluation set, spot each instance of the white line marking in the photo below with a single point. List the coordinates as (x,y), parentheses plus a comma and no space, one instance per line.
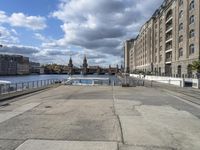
(183,100)
(66,145)
(17,111)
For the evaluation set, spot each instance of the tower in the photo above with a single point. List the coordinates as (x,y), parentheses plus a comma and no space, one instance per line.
(70,66)
(85,66)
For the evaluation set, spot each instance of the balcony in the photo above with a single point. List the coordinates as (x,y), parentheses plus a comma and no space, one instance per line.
(168,47)
(169,38)
(169,18)
(168,60)
(169,28)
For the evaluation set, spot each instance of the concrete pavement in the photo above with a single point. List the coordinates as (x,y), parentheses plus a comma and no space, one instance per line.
(99,118)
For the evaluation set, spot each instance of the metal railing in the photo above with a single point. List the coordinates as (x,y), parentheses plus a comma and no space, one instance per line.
(25,86)
(84,81)
(127,81)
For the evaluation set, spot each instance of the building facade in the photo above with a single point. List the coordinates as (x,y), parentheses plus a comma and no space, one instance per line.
(127,46)
(35,68)
(168,42)
(14,65)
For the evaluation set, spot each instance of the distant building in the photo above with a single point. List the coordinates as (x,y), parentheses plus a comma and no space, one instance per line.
(85,66)
(14,65)
(8,65)
(86,69)
(35,68)
(22,65)
(70,67)
(127,46)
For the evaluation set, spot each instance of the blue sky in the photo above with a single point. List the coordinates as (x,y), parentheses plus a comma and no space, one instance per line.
(50,31)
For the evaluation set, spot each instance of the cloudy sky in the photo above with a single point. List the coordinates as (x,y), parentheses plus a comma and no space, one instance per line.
(49,31)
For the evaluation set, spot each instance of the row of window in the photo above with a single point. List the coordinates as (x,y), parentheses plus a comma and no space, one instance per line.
(191,35)
(191,6)
(191,50)
(192,19)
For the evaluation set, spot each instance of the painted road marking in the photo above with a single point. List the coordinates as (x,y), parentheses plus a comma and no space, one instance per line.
(17,111)
(64,145)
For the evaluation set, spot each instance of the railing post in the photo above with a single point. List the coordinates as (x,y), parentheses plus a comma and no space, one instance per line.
(16,87)
(22,86)
(0,89)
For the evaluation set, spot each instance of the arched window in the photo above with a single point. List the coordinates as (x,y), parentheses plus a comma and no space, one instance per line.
(180,39)
(180,52)
(191,49)
(169,14)
(189,71)
(180,26)
(192,33)
(192,19)
(179,71)
(192,5)
(180,2)
(180,14)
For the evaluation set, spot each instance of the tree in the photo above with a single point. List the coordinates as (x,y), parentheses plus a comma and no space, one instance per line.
(196,66)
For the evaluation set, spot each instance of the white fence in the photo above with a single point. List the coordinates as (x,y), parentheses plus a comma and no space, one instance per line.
(181,82)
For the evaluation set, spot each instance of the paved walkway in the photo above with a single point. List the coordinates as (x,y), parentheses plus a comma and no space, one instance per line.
(99,118)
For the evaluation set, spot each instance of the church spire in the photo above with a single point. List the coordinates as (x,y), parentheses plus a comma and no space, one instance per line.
(70,63)
(85,64)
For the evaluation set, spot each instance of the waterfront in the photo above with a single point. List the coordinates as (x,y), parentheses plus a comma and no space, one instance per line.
(29,78)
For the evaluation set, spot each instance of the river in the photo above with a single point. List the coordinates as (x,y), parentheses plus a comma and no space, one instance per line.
(18,79)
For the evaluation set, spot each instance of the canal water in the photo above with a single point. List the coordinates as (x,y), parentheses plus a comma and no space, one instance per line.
(29,78)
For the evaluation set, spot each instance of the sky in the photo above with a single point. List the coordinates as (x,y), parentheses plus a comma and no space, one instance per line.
(50,31)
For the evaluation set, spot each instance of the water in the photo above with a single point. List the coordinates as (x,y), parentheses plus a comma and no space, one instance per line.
(19,79)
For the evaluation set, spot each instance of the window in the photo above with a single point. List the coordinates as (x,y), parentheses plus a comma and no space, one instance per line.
(161,39)
(191,49)
(180,2)
(192,19)
(160,48)
(192,5)
(180,14)
(160,58)
(180,52)
(169,14)
(180,39)
(160,21)
(180,26)
(192,34)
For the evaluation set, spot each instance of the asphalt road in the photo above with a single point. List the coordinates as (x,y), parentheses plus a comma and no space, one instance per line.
(100,118)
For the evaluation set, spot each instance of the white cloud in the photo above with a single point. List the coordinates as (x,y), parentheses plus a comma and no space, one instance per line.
(101,25)
(96,28)
(8,36)
(22,20)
